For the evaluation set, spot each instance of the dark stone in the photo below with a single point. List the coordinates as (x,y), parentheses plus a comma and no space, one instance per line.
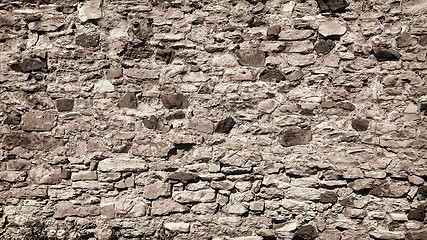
(324,46)
(114,72)
(165,55)
(225,126)
(142,29)
(250,57)
(30,141)
(40,122)
(329,197)
(12,119)
(184,176)
(306,232)
(273,31)
(295,76)
(176,115)
(88,39)
(423,40)
(199,20)
(404,40)
(422,192)
(30,64)
(295,136)
(346,106)
(384,54)
(332,5)
(392,188)
(418,234)
(174,100)
(256,1)
(418,213)
(151,122)
(360,125)
(64,105)
(423,108)
(128,101)
(272,75)
(138,52)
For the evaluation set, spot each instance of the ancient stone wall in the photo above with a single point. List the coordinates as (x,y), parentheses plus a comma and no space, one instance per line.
(213,119)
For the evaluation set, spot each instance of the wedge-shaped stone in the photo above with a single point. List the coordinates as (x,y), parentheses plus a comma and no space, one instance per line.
(195,197)
(122,165)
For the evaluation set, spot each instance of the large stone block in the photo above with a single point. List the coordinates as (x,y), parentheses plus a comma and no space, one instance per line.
(122,165)
(250,57)
(204,196)
(38,121)
(295,136)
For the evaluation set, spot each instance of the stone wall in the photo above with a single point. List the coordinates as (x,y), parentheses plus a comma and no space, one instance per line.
(213,119)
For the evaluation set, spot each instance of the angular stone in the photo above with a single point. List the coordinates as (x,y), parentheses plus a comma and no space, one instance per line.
(225,126)
(87,40)
(174,100)
(387,235)
(362,184)
(332,5)
(257,206)
(103,86)
(354,213)
(151,148)
(48,25)
(167,206)
(416,180)
(404,40)
(274,30)
(324,46)
(12,176)
(332,28)
(141,29)
(250,57)
(306,232)
(142,74)
(329,197)
(295,136)
(12,119)
(184,176)
(45,174)
(28,64)
(17,165)
(122,165)
(204,196)
(64,104)
(30,141)
(90,10)
(205,126)
(291,34)
(128,101)
(67,209)
(360,125)
(156,190)
(423,40)
(114,72)
(165,55)
(390,188)
(384,54)
(237,209)
(222,185)
(422,192)
(178,227)
(301,60)
(272,75)
(84,175)
(38,121)
(267,106)
(299,47)
(204,208)
(418,234)
(31,191)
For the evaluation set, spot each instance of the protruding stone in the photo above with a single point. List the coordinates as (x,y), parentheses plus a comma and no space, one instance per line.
(205,126)
(178,227)
(225,126)
(404,40)
(272,75)
(44,174)
(156,190)
(141,29)
(273,31)
(250,57)
(422,192)
(295,136)
(184,176)
(103,86)
(267,106)
(329,197)
(224,60)
(90,10)
(384,54)
(418,214)
(151,148)
(128,101)
(122,165)
(391,188)
(64,105)
(87,39)
(39,122)
(332,5)
(28,64)
(205,196)
(324,46)
(48,25)
(360,125)
(114,72)
(388,235)
(166,207)
(174,100)
(291,34)
(237,209)
(332,28)
(306,232)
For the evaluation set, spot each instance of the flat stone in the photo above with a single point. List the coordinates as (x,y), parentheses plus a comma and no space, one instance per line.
(84,176)
(204,196)
(167,206)
(128,101)
(31,141)
(178,227)
(360,125)
(195,77)
(416,180)
(204,208)
(184,176)
(250,57)
(301,60)
(12,119)
(354,213)
(114,73)
(332,5)
(423,40)
(122,165)
(174,100)
(103,86)
(384,54)
(291,34)
(48,25)
(88,39)
(272,75)
(295,136)
(29,64)
(31,191)
(329,197)
(45,174)
(267,106)
(299,47)
(390,188)
(306,232)
(156,190)
(90,10)
(13,176)
(225,126)
(205,126)
(38,121)
(237,209)
(165,55)
(142,74)
(257,206)
(66,209)
(222,185)
(418,214)
(422,192)
(418,234)
(151,148)
(388,235)
(324,46)
(64,104)
(332,28)
(362,184)
(224,60)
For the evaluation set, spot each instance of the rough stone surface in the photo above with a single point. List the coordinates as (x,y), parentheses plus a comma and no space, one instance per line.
(64,105)
(37,121)
(360,124)
(128,101)
(306,232)
(384,54)
(332,5)
(250,57)
(295,136)
(332,28)
(176,100)
(324,46)
(225,125)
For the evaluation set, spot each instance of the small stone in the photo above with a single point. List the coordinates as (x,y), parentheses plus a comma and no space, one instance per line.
(166,207)
(142,74)
(416,180)
(360,125)
(165,55)
(295,76)
(291,34)
(36,121)
(174,101)
(84,175)
(48,25)
(225,126)
(354,213)
(257,206)
(205,126)
(324,46)
(103,86)
(222,185)
(87,40)
(387,235)
(237,209)
(306,232)
(204,196)
(332,5)
(404,40)
(418,214)
(411,108)
(64,105)
(114,73)
(184,176)
(422,192)
(224,60)
(299,47)
(384,54)
(272,75)
(128,101)
(90,10)
(267,106)
(151,149)
(332,28)
(250,57)
(362,184)
(329,197)
(301,60)
(273,31)
(295,136)
(423,40)
(178,227)
(346,106)
(156,190)
(12,119)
